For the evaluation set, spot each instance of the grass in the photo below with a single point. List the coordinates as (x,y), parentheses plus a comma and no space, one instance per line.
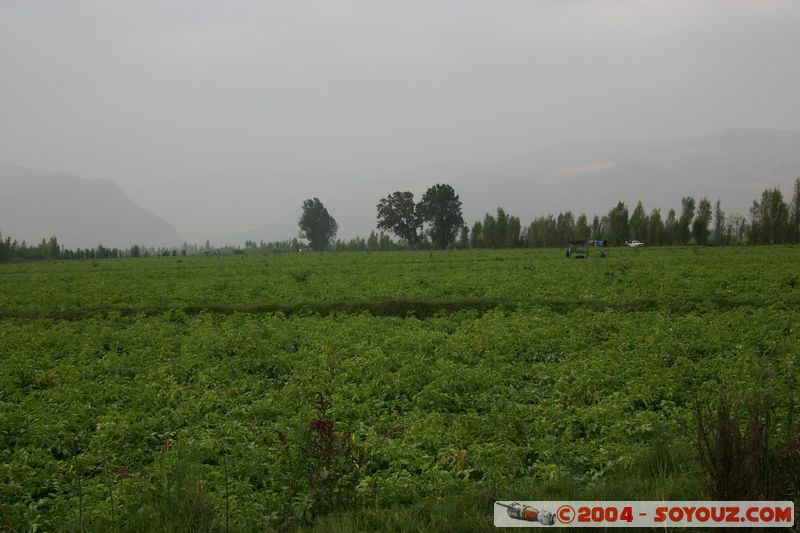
(661,474)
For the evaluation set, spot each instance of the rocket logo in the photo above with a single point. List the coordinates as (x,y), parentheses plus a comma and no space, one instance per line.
(529,514)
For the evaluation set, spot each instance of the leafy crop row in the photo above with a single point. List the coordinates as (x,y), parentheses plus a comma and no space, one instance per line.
(320,282)
(260,420)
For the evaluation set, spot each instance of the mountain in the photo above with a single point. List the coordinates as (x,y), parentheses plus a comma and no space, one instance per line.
(734,166)
(79,212)
(280,228)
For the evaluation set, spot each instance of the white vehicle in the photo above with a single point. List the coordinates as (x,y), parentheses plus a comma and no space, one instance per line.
(634,244)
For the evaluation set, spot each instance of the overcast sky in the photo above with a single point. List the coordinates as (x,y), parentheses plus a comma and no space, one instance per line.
(220,103)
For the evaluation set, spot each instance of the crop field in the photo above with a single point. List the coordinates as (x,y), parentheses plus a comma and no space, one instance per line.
(375,391)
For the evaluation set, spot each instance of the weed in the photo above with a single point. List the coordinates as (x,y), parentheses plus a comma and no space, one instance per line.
(301,276)
(740,453)
(330,464)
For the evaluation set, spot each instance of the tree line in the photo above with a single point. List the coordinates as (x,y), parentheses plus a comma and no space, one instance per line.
(12,250)
(439,212)
(436,222)
(772,221)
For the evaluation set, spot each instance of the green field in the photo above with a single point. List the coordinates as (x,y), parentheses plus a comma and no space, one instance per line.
(394,390)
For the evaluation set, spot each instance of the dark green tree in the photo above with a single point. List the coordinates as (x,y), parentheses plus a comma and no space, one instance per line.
(317,225)
(398,213)
(683,231)
(582,230)
(670,228)
(532,235)
(738,228)
(440,208)
(655,229)
(618,229)
(701,222)
(565,228)
(638,223)
(513,231)
(489,231)
(769,218)
(719,235)
(543,232)
(5,249)
(53,250)
(384,242)
(794,214)
(372,241)
(476,236)
(501,228)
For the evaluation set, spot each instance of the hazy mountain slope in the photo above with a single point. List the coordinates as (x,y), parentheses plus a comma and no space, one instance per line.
(280,228)
(735,165)
(79,212)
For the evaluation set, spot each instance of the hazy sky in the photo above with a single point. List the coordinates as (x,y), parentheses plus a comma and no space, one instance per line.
(220,115)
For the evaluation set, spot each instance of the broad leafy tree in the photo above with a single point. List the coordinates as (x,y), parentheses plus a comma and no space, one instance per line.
(399,214)
(317,225)
(440,208)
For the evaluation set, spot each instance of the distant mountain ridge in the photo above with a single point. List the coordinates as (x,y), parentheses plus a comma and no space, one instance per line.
(583,177)
(734,165)
(79,212)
